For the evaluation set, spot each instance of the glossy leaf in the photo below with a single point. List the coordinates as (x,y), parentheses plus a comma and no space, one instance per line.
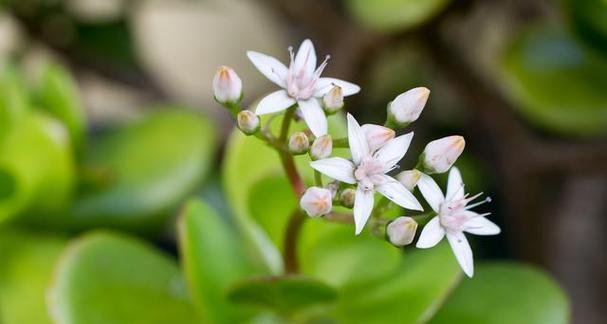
(214,258)
(142,171)
(556,84)
(105,278)
(58,95)
(506,293)
(14,101)
(394,15)
(411,293)
(589,20)
(36,169)
(283,294)
(27,265)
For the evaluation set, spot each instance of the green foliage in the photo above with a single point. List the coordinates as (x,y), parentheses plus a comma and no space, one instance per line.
(394,15)
(27,265)
(589,20)
(555,83)
(502,293)
(106,278)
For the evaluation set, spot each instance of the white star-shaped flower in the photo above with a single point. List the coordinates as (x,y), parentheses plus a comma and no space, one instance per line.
(453,219)
(368,170)
(301,83)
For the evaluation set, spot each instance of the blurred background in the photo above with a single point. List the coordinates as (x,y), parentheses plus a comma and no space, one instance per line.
(525,81)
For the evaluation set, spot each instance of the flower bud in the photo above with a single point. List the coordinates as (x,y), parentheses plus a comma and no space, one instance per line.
(227,86)
(439,155)
(377,135)
(247,122)
(409,178)
(298,143)
(316,201)
(407,106)
(333,101)
(401,231)
(347,196)
(321,147)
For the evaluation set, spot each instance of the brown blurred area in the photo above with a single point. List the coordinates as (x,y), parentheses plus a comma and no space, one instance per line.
(549,189)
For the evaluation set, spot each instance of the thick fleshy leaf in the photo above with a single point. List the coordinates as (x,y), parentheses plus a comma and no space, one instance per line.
(214,258)
(144,170)
(556,83)
(110,278)
(282,294)
(270,67)
(27,265)
(503,293)
(58,95)
(14,99)
(410,293)
(37,173)
(394,15)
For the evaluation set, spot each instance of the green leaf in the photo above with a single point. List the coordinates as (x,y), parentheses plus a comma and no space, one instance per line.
(144,170)
(105,278)
(58,95)
(589,20)
(506,293)
(27,266)
(213,258)
(254,181)
(36,169)
(555,83)
(411,293)
(394,15)
(14,101)
(283,294)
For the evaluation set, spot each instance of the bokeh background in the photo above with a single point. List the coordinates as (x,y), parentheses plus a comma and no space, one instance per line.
(525,81)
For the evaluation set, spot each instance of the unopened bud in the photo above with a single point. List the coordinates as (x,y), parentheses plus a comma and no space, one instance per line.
(321,147)
(227,86)
(247,122)
(439,155)
(409,178)
(298,143)
(401,231)
(407,106)
(377,135)
(316,201)
(333,101)
(347,196)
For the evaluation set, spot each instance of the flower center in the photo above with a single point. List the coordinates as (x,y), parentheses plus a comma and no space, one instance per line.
(369,173)
(300,82)
(453,214)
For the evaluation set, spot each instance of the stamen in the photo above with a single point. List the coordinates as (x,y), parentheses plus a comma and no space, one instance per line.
(322,66)
(486,200)
(291,54)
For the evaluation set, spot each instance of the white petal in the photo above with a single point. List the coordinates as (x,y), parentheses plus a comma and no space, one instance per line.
(357,140)
(274,102)
(431,192)
(270,67)
(481,226)
(395,191)
(305,59)
(431,234)
(463,252)
(393,151)
(314,116)
(336,168)
(363,205)
(324,85)
(455,185)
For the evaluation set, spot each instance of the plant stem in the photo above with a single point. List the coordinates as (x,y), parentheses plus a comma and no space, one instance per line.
(290,243)
(341,143)
(317,178)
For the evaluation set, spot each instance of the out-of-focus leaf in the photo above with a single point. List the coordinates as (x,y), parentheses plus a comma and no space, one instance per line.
(254,181)
(145,170)
(506,293)
(36,168)
(283,294)
(107,278)
(27,266)
(411,293)
(556,84)
(58,95)
(589,20)
(214,258)
(394,15)
(14,103)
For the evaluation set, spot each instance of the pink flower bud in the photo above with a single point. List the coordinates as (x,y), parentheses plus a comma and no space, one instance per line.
(321,148)
(316,201)
(247,122)
(409,178)
(347,197)
(401,231)
(333,101)
(377,135)
(227,86)
(407,107)
(439,155)
(299,143)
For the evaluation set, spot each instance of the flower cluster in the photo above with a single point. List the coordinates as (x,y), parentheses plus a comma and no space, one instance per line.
(375,154)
